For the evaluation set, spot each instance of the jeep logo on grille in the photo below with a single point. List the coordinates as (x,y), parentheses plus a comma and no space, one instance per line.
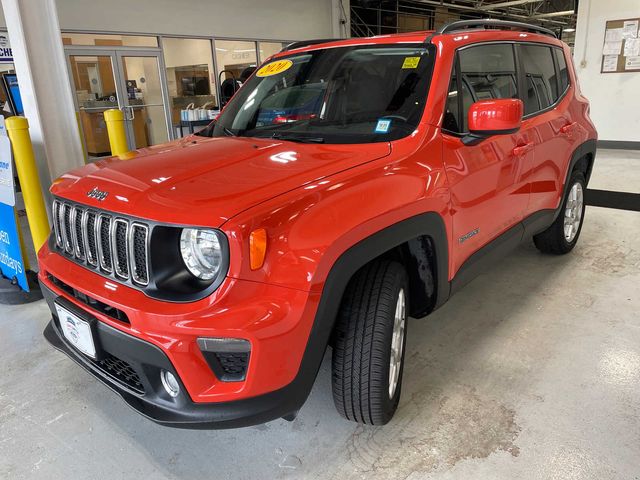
(97,194)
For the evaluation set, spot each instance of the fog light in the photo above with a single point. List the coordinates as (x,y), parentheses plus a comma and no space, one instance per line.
(170,383)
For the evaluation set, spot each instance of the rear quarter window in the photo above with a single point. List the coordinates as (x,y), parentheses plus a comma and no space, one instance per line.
(541,83)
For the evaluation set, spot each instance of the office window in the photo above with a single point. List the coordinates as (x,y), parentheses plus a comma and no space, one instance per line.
(109,40)
(190,74)
(542,87)
(266,49)
(236,62)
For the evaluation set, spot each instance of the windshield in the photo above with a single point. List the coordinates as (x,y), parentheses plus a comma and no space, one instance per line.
(361,94)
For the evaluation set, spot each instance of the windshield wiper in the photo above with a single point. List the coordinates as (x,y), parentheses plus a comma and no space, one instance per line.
(228,132)
(292,138)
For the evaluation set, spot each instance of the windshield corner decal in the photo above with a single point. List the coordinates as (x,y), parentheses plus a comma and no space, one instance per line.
(383,126)
(274,68)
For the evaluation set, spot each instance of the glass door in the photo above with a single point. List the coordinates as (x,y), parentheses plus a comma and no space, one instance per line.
(145,109)
(95,90)
(129,80)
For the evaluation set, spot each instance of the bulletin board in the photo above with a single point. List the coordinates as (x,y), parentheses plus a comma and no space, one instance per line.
(621,48)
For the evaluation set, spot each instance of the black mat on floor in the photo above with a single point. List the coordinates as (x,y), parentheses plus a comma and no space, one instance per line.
(609,199)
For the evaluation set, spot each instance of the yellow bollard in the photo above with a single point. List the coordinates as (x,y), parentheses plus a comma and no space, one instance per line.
(18,130)
(115,128)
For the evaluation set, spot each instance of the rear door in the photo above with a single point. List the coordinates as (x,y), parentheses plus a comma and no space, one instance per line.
(548,116)
(489,193)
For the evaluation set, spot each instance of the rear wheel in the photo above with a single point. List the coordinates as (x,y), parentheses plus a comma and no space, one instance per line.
(562,235)
(370,337)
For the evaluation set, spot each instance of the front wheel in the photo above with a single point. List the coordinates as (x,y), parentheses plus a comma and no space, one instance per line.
(562,235)
(370,337)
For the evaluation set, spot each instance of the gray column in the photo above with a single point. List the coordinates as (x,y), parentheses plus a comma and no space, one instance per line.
(42,73)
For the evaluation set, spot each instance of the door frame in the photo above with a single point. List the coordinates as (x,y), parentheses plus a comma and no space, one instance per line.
(117,53)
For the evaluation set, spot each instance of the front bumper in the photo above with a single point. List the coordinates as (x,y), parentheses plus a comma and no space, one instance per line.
(144,361)
(276,321)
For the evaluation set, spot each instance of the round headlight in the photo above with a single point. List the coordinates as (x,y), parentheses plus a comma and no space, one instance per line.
(202,252)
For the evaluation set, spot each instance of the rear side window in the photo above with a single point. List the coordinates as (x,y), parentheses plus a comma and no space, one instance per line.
(541,83)
(562,70)
(485,72)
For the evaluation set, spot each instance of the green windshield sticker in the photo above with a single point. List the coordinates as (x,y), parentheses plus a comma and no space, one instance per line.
(411,62)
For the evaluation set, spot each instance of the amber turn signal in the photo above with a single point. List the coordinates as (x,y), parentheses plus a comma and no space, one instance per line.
(257,248)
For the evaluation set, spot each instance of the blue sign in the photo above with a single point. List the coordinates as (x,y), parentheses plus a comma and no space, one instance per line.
(11,263)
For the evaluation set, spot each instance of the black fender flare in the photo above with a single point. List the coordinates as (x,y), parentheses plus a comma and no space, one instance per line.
(348,263)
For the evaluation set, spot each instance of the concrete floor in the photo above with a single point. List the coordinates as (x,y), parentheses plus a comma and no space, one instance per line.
(533,371)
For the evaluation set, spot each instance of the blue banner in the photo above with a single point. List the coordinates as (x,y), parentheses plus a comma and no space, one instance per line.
(11,263)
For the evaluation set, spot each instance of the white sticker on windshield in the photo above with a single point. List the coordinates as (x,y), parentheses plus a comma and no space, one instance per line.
(383,126)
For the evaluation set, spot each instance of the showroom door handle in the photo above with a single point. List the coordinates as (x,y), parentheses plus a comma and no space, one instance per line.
(523,149)
(568,128)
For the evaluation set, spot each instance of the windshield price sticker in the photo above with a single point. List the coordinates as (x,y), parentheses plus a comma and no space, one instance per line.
(274,68)
(411,62)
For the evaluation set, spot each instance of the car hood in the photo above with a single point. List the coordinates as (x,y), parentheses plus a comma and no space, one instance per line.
(206,181)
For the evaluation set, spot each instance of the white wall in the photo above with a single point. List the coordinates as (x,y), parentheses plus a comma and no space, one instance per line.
(256,19)
(614,97)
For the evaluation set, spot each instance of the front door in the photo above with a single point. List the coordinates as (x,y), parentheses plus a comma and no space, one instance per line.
(129,80)
(488,181)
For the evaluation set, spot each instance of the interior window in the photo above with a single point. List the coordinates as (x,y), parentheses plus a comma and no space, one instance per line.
(563,72)
(542,86)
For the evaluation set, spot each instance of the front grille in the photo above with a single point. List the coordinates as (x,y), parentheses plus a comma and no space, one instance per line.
(114,245)
(120,371)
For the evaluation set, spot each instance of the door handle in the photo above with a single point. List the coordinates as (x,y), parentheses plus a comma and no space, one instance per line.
(127,110)
(523,149)
(568,128)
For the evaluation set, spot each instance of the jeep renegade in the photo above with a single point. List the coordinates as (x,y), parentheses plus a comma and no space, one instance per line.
(346,186)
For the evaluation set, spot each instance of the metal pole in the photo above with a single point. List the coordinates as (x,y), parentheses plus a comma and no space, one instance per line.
(25,160)
(114,119)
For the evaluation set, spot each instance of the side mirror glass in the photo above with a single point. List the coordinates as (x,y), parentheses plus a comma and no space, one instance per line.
(495,117)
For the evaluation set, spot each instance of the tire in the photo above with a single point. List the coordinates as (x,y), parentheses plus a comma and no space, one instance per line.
(363,337)
(555,239)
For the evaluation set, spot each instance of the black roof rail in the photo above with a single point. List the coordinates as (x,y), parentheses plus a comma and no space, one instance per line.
(307,43)
(493,23)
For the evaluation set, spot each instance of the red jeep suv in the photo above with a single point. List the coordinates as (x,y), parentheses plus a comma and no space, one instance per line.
(346,186)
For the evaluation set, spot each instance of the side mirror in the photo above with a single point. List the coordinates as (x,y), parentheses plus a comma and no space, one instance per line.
(494,117)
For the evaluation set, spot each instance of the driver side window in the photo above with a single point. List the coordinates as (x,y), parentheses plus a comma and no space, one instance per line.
(485,72)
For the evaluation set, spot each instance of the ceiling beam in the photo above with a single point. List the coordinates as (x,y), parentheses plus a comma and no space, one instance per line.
(553,14)
(510,3)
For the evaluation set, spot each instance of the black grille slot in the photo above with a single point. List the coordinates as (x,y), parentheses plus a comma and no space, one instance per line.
(79,237)
(66,219)
(233,364)
(92,247)
(90,302)
(120,244)
(121,372)
(139,252)
(105,243)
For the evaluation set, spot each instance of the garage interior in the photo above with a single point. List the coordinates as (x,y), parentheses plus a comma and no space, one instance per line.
(532,371)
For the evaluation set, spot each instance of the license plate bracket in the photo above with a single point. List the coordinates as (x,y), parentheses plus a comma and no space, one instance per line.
(78,328)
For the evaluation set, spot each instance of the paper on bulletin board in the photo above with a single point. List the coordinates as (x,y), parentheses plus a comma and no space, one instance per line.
(613,35)
(632,63)
(632,47)
(630,29)
(610,63)
(612,48)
